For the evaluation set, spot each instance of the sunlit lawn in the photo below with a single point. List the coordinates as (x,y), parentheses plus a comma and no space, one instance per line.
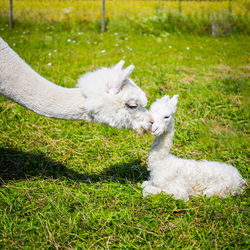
(73,184)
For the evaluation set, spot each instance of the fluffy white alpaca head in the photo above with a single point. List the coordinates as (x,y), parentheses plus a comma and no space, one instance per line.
(162,111)
(113,98)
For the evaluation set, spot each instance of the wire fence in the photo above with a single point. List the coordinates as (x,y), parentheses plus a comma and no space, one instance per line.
(143,11)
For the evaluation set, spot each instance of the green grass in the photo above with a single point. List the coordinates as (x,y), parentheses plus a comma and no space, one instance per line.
(73,184)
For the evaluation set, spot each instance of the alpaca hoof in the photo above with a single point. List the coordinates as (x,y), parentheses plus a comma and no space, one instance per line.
(150,189)
(144,184)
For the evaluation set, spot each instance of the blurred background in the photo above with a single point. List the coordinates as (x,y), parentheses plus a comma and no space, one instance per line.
(200,16)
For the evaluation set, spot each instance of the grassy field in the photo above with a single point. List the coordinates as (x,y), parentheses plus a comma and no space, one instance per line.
(90,10)
(73,184)
(142,16)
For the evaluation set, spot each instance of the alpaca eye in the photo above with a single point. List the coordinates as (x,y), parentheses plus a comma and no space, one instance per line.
(131,106)
(166,117)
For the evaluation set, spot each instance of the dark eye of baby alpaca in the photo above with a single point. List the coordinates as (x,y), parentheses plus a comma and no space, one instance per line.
(166,117)
(131,106)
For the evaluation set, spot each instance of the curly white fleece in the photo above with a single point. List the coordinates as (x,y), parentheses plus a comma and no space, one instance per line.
(182,177)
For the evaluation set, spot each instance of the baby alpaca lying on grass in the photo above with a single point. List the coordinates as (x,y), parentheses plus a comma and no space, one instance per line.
(182,177)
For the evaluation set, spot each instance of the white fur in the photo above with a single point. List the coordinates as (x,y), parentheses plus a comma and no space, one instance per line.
(20,83)
(102,96)
(182,177)
(114,99)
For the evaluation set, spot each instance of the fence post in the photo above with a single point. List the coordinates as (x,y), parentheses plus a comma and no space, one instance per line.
(11,14)
(179,6)
(213,28)
(230,7)
(103,16)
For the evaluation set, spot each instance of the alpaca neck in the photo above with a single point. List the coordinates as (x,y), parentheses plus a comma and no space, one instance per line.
(20,83)
(162,145)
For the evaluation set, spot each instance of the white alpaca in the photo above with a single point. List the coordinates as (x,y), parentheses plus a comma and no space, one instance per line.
(105,96)
(113,98)
(182,177)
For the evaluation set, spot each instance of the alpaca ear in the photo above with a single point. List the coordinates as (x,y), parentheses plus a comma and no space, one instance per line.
(121,80)
(119,84)
(166,98)
(175,98)
(119,65)
(126,72)
(174,101)
(117,89)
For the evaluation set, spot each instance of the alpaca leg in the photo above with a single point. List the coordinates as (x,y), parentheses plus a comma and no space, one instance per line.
(145,183)
(178,191)
(210,192)
(221,190)
(148,189)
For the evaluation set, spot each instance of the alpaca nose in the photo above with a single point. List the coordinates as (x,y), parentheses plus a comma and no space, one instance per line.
(151,121)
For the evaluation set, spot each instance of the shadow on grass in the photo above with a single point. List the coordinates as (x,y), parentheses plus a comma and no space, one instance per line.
(17,165)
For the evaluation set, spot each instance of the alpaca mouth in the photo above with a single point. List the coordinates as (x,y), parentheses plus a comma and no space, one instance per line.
(154,132)
(143,130)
